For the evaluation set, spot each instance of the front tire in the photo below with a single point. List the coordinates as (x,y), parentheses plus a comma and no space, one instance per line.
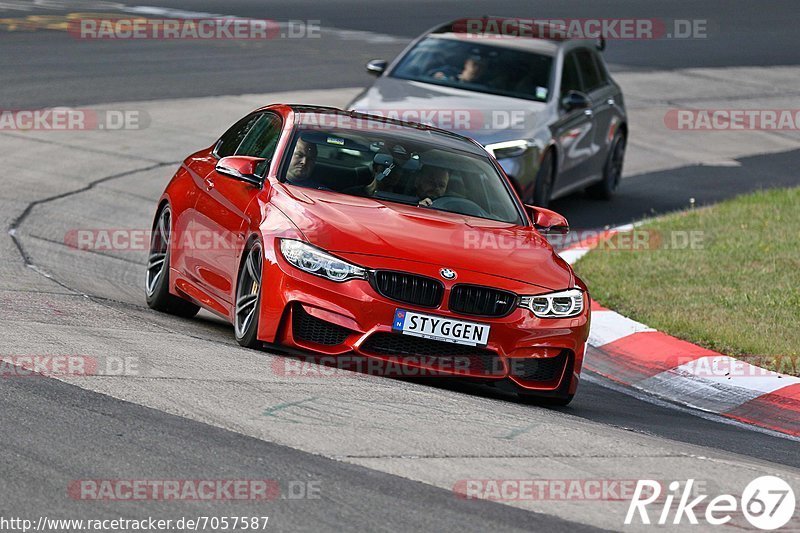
(531,399)
(248,296)
(561,397)
(612,172)
(157,276)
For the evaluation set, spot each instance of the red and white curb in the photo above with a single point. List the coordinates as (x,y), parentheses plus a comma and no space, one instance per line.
(638,356)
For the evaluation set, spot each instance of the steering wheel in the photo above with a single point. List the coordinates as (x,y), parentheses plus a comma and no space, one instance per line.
(448,72)
(458,204)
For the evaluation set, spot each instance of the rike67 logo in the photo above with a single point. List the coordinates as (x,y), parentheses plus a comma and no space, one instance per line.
(767,502)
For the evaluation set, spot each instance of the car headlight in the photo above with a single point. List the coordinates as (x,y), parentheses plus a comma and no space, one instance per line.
(562,304)
(315,261)
(507,149)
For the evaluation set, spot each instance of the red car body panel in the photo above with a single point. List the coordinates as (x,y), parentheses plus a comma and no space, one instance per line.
(374,235)
(341,223)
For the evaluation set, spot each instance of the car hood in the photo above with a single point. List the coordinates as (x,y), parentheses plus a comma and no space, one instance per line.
(354,225)
(486,118)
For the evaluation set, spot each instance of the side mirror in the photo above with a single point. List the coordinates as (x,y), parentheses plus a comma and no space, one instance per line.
(242,168)
(575,100)
(377,66)
(547,221)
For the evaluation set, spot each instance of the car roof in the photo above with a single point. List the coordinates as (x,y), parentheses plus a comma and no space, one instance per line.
(540,46)
(525,33)
(328,110)
(447,138)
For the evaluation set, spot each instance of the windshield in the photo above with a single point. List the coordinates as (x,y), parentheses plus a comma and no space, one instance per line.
(478,67)
(401,166)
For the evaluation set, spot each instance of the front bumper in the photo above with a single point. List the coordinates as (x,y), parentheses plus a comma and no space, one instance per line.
(352,321)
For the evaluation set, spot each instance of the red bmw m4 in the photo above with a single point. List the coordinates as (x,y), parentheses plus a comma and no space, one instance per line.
(347,235)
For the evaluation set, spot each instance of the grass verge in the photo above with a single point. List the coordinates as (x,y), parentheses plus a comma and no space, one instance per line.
(726,277)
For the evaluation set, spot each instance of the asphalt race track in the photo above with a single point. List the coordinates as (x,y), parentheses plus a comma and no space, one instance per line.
(384,454)
(49,68)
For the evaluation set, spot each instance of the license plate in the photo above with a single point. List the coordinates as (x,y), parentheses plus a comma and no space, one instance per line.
(440,328)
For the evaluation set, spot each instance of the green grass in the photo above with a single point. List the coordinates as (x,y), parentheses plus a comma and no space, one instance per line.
(737,293)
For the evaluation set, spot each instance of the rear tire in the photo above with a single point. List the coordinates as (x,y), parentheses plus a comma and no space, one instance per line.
(545,179)
(248,296)
(612,172)
(157,276)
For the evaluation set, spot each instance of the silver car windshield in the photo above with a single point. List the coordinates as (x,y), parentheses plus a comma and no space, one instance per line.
(478,67)
(402,165)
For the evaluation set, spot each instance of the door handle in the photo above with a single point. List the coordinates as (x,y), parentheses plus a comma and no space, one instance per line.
(588,112)
(610,101)
(209,184)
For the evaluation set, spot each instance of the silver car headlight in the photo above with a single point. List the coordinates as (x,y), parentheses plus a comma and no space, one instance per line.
(315,261)
(562,304)
(507,149)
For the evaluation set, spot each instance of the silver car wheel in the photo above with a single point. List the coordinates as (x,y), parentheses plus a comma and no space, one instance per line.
(248,290)
(157,265)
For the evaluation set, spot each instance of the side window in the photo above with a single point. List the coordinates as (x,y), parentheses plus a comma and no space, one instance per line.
(232,138)
(570,79)
(589,72)
(601,69)
(262,138)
